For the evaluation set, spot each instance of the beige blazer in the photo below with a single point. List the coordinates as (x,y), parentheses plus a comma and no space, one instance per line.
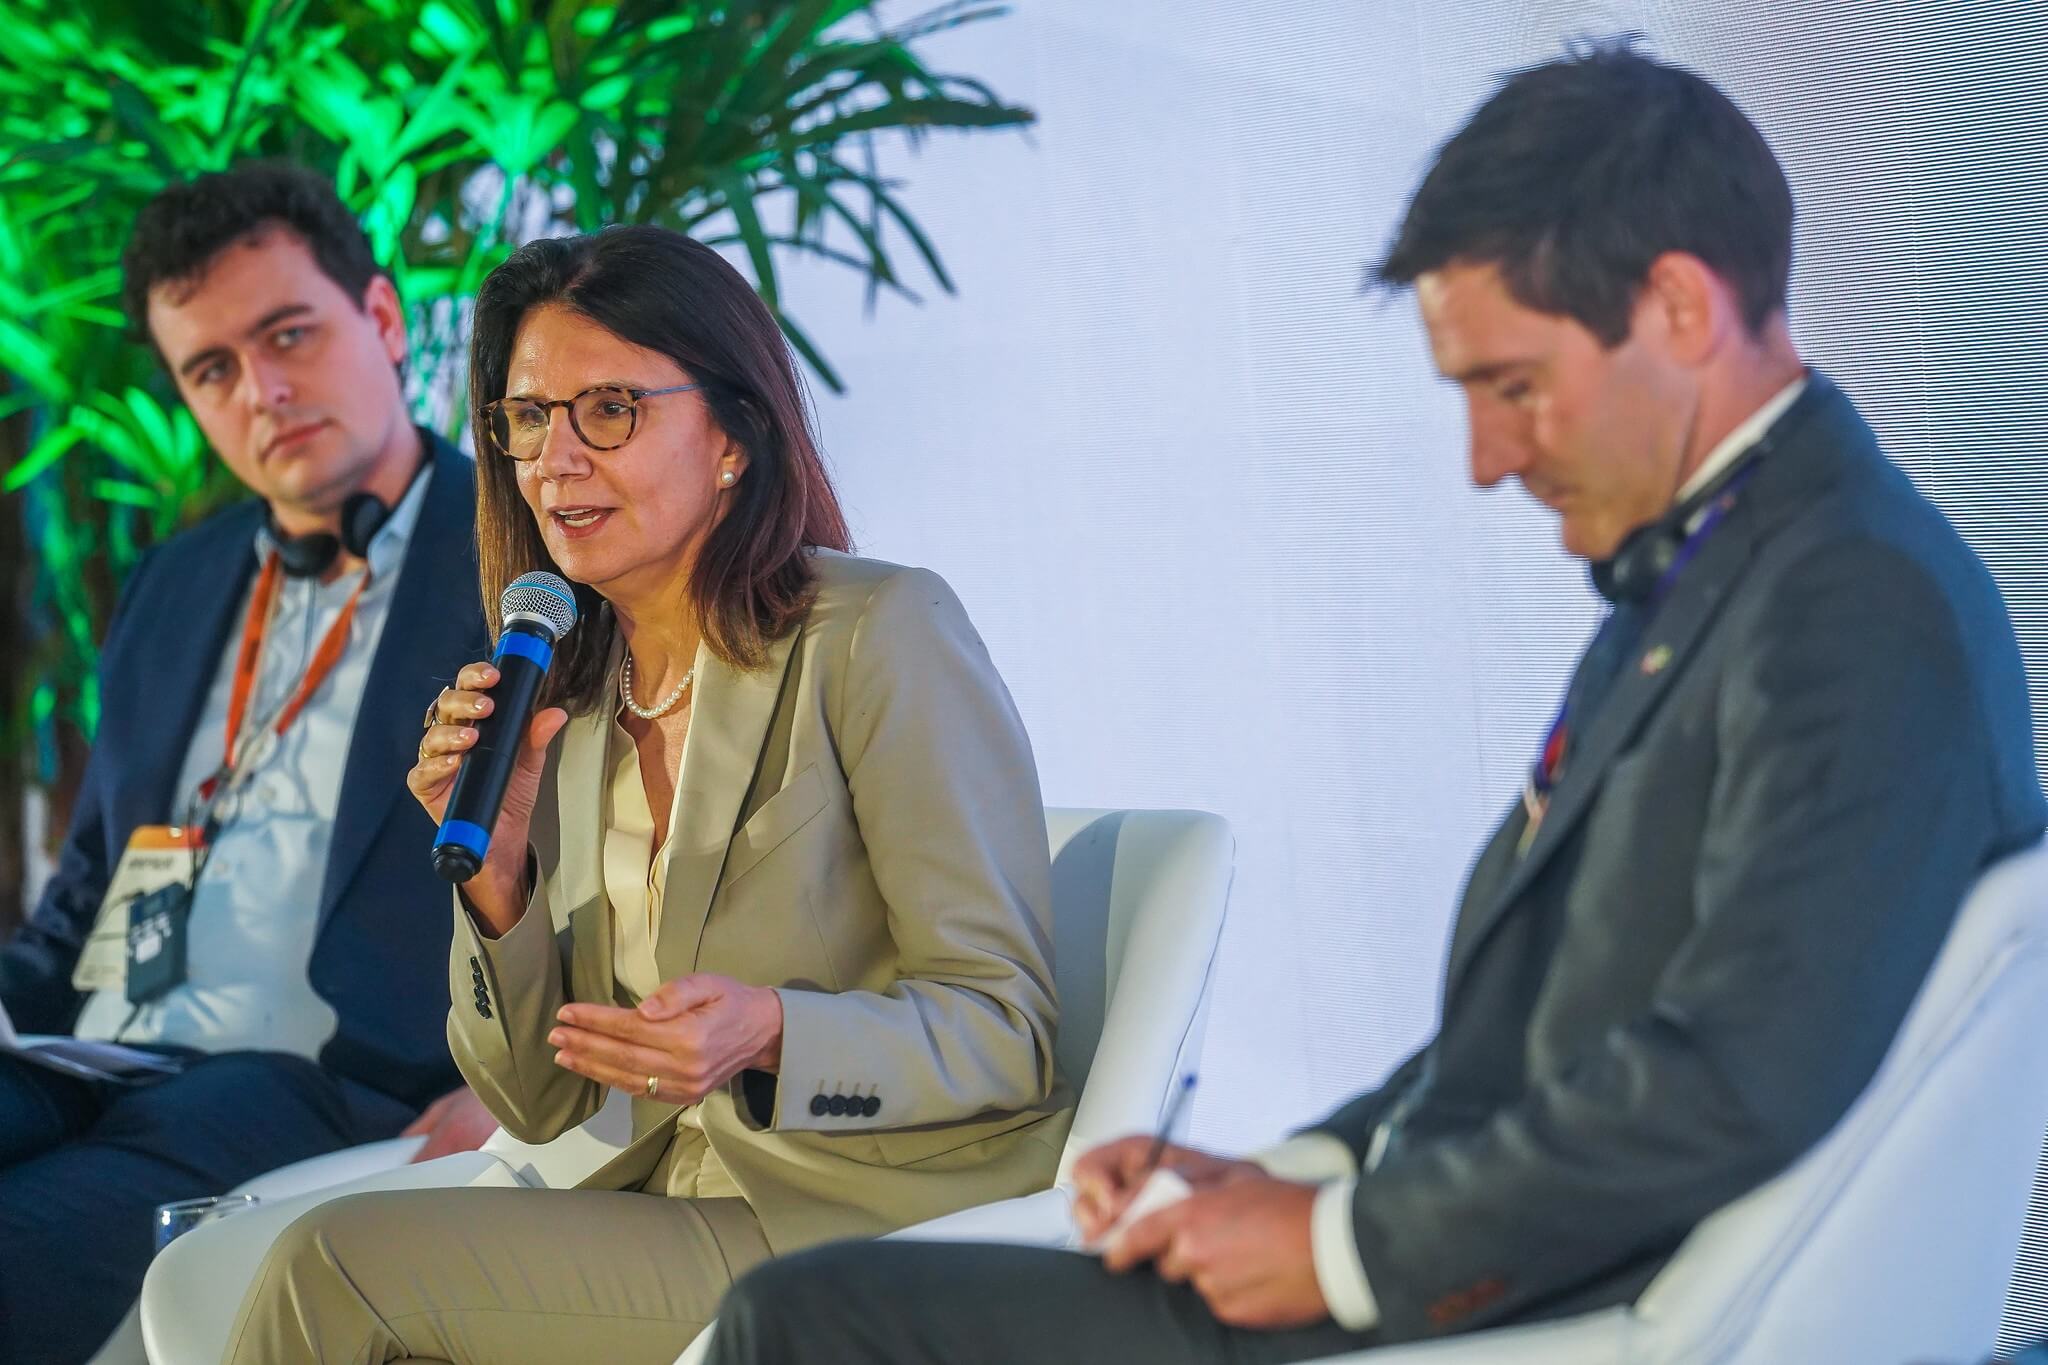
(859,827)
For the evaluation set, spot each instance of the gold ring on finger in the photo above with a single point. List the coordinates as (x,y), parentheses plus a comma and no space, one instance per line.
(652,1082)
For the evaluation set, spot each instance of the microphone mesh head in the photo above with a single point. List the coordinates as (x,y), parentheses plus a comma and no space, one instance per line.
(542,598)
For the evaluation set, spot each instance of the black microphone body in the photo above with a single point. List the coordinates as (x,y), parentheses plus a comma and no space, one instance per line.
(538,609)
(487,768)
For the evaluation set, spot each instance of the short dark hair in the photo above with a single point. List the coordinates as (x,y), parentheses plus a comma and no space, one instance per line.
(1577,174)
(185,226)
(654,287)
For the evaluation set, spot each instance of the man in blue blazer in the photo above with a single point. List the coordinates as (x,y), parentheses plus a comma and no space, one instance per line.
(1798,738)
(263,679)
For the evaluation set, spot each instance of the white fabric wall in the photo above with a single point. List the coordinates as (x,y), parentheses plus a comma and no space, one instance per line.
(1209,506)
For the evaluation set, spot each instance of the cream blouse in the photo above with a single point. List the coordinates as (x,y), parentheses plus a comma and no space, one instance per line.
(635,872)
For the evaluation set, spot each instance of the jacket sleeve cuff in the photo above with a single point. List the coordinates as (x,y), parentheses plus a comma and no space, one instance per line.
(1340,1274)
(479,964)
(829,1080)
(1309,1158)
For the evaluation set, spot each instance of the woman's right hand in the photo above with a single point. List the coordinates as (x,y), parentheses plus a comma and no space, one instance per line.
(496,892)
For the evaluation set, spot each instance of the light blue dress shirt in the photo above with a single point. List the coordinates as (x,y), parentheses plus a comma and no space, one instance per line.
(254,914)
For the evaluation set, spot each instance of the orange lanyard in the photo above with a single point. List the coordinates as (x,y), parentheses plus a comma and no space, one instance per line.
(248,663)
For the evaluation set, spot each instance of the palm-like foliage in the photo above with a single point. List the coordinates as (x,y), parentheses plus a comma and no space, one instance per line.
(456,128)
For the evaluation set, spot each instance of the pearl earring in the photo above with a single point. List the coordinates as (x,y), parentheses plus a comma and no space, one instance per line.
(728,478)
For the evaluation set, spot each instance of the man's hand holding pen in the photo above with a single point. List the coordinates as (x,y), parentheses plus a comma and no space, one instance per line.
(1241,1237)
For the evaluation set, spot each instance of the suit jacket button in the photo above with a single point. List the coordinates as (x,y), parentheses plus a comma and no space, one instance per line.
(818,1106)
(839,1103)
(483,1009)
(873,1106)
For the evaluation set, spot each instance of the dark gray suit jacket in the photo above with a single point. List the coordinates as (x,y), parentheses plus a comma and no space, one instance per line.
(1745,873)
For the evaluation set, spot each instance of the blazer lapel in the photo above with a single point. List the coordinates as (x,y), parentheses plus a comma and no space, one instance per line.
(1663,654)
(732,714)
(417,630)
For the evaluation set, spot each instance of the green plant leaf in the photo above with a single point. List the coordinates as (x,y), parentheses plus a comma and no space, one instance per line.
(813,357)
(152,423)
(120,490)
(738,195)
(41,456)
(31,358)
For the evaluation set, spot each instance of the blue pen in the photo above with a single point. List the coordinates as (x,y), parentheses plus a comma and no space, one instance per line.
(1173,1108)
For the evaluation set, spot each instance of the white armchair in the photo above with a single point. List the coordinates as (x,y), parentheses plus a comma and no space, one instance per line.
(1138,901)
(1138,904)
(1893,1239)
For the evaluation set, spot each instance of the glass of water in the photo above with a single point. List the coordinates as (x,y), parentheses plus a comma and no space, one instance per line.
(175,1220)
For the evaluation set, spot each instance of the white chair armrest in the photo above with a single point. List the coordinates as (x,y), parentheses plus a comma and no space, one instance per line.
(1044,1219)
(1593,1339)
(333,1168)
(697,1350)
(194,1288)
(576,1155)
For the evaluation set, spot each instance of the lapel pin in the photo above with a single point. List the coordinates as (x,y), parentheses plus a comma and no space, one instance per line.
(1656,661)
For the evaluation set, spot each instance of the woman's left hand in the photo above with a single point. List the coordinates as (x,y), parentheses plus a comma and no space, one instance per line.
(691,1036)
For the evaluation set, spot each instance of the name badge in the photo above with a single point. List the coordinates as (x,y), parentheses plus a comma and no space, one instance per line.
(140,929)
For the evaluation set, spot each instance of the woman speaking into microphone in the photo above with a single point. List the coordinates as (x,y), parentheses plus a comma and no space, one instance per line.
(772,860)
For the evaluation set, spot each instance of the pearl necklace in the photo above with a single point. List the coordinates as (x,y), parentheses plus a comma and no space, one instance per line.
(666,705)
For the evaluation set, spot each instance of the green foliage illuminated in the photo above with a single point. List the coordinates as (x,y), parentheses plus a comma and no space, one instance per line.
(455,128)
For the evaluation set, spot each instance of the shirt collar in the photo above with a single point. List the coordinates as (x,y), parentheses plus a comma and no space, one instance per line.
(1746,434)
(387,547)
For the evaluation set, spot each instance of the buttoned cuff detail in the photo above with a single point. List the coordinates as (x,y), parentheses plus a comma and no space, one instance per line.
(488,957)
(805,1096)
(1340,1274)
(1309,1158)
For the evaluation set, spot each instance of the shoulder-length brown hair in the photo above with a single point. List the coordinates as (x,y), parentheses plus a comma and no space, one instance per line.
(662,290)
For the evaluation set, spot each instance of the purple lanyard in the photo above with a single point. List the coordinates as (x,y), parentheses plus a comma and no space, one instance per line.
(1543,774)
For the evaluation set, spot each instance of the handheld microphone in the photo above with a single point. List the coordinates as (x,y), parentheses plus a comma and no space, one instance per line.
(536,610)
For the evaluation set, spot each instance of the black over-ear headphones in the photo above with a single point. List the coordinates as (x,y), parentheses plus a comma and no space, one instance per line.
(1646,555)
(1648,552)
(363,514)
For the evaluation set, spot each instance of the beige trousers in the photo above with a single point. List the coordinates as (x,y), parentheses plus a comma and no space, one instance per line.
(495,1276)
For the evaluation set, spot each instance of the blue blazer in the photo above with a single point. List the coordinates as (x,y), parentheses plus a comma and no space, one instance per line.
(381,951)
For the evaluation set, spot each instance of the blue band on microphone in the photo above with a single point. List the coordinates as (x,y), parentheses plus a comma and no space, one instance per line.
(471,836)
(531,646)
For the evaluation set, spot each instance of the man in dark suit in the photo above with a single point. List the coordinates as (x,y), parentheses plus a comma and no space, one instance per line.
(263,677)
(1800,735)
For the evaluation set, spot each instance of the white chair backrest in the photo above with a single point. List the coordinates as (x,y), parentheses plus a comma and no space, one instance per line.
(1138,903)
(1893,1239)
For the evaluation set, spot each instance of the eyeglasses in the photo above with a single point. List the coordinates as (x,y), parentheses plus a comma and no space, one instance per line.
(603,417)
